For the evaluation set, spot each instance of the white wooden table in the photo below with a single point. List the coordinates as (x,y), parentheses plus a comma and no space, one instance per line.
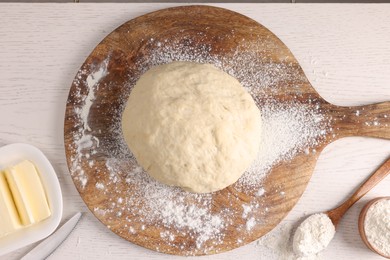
(344,50)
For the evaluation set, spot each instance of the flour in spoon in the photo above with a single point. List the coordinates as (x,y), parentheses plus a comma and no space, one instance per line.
(313,235)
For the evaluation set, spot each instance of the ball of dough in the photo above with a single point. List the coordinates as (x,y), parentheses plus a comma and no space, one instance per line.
(192,125)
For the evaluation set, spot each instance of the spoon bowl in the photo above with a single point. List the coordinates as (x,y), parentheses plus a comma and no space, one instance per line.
(362,218)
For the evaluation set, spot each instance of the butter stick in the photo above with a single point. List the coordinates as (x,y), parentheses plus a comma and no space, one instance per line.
(9,218)
(28,193)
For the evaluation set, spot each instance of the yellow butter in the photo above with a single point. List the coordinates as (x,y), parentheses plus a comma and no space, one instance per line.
(28,192)
(9,218)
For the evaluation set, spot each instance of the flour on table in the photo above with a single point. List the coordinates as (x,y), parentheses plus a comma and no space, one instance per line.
(288,129)
(277,245)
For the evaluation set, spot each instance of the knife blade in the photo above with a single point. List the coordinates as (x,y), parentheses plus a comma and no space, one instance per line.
(50,244)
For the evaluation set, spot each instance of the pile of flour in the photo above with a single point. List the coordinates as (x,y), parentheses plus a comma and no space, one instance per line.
(313,235)
(377,226)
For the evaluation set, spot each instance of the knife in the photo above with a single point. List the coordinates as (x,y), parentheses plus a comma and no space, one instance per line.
(50,244)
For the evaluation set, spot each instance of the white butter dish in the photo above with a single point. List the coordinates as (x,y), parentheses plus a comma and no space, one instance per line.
(11,155)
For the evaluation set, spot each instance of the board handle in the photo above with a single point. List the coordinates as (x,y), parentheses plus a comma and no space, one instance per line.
(368,120)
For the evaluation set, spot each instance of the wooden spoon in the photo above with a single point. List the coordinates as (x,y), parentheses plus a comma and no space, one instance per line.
(337,213)
(301,240)
(362,231)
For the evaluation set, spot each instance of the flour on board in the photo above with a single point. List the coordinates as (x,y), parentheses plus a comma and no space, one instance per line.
(288,129)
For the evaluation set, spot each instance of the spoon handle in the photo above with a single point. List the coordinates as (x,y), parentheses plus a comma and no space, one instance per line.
(336,214)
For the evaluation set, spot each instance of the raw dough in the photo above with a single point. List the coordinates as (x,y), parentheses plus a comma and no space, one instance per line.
(192,125)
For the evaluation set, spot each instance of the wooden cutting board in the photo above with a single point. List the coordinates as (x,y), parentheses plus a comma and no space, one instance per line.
(100,164)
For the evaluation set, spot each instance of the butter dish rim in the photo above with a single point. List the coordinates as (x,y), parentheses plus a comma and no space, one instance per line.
(12,154)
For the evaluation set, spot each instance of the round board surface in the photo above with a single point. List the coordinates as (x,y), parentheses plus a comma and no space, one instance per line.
(298,123)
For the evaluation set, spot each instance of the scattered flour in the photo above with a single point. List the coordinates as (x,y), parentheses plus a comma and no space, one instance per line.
(246,210)
(99,185)
(260,192)
(286,130)
(132,231)
(92,83)
(250,224)
(100,212)
(377,226)
(289,128)
(277,245)
(313,235)
(83,138)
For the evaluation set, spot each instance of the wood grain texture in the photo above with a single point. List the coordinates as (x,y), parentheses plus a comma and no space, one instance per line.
(342,49)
